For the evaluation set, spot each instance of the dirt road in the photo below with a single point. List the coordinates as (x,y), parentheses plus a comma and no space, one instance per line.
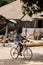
(5,58)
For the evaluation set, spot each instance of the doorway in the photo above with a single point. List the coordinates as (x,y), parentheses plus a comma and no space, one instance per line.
(39,23)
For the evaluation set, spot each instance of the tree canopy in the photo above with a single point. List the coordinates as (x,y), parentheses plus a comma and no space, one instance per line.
(4,2)
(32,6)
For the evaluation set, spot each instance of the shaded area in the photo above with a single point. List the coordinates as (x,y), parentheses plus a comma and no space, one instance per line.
(19,61)
(37,57)
(5,22)
(4,2)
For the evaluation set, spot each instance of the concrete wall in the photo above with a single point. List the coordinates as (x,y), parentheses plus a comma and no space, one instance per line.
(33,33)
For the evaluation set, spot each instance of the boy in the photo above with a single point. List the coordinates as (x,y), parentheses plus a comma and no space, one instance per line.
(18,40)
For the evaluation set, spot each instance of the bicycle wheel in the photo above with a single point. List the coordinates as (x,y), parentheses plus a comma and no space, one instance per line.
(27,53)
(14,53)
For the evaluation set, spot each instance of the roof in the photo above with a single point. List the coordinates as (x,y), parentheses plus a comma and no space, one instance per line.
(14,11)
(27,18)
(38,16)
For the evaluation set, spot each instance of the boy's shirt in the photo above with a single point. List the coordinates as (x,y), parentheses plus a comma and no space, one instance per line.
(17,38)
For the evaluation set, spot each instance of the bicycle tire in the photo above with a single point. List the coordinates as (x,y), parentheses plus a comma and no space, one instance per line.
(15,52)
(27,49)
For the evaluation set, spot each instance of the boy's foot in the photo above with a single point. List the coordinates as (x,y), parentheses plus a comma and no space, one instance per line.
(20,54)
(3,45)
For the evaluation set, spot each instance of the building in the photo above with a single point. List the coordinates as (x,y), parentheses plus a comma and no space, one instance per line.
(38,20)
(14,11)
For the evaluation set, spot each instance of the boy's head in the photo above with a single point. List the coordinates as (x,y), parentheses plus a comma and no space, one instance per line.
(19,30)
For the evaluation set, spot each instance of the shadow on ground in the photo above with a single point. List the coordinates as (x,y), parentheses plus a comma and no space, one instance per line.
(18,61)
(37,57)
(21,61)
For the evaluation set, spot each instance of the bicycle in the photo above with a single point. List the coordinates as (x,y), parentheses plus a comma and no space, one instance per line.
(26,52)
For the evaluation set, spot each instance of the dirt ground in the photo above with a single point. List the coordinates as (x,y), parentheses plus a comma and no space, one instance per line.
(5,58)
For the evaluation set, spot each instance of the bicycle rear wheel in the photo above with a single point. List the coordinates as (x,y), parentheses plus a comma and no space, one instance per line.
(14,53)
(27,53)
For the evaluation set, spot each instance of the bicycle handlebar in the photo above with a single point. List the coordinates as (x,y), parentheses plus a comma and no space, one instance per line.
(25,39)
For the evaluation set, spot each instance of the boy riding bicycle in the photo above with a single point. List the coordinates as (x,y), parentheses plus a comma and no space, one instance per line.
(18,39)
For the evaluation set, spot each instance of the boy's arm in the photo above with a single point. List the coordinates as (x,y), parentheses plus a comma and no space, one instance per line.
(25,39)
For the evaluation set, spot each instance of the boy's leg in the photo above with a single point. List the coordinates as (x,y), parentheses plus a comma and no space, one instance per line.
(21,48)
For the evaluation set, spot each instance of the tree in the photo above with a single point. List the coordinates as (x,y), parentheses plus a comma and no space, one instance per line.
(4,2)
(32,6)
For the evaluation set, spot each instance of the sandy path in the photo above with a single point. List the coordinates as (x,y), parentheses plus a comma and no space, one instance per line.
(5,58)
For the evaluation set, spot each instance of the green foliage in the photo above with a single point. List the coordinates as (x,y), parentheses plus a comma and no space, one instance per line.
(32,6)
(9,1)
(4,2)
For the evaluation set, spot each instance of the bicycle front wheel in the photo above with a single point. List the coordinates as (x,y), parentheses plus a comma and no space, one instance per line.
(14,53)
(27,53)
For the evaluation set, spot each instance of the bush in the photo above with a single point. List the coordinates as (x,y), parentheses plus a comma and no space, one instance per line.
(4,2)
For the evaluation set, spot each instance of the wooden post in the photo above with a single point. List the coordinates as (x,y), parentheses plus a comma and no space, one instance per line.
(35,23)
(38,34)
(35,20)
(6,33)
